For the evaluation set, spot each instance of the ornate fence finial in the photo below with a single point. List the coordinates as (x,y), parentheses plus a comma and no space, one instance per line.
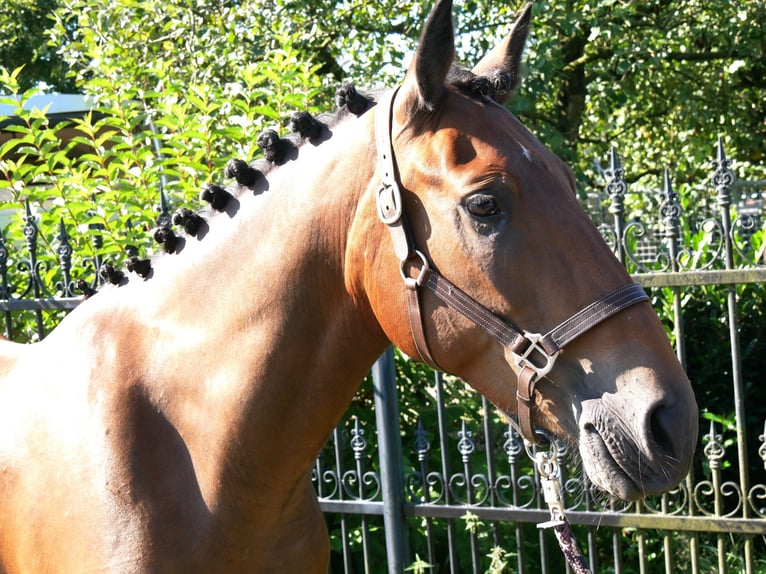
(64,251)
(164,219)
(723,178)
(714,449)
(465,444)
(36,286)
(762,448)
(422,445)
(358,442)
(615,184)
(4,289)
(512,445)
(670,208)
(30,229)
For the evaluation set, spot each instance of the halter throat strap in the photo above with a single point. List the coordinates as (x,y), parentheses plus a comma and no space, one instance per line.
(533,353)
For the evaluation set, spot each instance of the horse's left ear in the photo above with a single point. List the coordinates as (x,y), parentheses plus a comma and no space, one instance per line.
(502,65)
(424,83)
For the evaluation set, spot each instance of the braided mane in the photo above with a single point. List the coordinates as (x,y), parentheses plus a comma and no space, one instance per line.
(252,177)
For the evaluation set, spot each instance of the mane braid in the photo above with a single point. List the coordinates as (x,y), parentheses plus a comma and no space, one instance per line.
(109,274)
(347,97)
(164,236)
(243,173)
(216,196)
(83,287)
(141,267)
(252,176)
(276,150)
(190,221)
(307,126)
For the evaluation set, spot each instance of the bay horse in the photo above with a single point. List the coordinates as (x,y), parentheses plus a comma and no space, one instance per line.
(170,422)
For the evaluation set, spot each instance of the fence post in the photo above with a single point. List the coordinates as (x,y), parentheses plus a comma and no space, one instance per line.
(390,453)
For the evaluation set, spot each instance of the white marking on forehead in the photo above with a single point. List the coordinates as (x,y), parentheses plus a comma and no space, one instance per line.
(525,153)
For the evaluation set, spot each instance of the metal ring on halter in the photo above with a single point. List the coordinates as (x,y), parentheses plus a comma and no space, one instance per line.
(424,268)
(548,440)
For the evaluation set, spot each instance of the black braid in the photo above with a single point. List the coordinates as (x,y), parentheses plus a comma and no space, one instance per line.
(347,97)
(109,274)
(190,221)
(83,287)
(469,83)
(275,149)
(141,267)
(243,173)
(307,126)
(216,196)
(165,237)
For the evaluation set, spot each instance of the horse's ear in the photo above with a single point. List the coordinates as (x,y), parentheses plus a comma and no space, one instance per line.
(502,65)
(424,83)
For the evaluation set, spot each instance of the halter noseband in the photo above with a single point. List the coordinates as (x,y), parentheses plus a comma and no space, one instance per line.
(533,353)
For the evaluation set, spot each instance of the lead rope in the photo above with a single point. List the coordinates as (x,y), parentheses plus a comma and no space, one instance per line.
(550,479)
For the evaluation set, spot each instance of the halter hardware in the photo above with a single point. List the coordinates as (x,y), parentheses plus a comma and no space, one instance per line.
(534,354)
(546,461)
(425,268)
(535,357)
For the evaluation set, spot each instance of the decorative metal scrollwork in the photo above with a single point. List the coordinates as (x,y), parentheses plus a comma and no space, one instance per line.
(357,483)
(658,243)
(722,496)
(615,184)
(515,489)
(64,251)
(421,485)
(466,487)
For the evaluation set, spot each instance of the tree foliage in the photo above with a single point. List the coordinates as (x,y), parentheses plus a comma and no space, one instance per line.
(24,25)
(659,80)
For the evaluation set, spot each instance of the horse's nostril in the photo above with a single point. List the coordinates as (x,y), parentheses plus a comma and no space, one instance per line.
(664,429)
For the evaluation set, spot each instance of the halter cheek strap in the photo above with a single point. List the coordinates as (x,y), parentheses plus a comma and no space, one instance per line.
(534,354)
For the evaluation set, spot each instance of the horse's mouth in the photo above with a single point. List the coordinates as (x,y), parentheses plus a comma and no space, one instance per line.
(606,467)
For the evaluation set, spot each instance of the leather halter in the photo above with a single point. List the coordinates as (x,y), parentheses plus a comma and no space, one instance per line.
(534,353)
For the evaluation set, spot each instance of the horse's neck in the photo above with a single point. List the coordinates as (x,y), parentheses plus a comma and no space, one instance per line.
(257,345)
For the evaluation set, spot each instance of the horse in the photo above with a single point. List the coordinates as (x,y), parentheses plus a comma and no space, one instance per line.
(171,421)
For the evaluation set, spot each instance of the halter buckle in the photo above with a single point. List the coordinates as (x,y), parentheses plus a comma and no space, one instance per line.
(388,200)
(535,357)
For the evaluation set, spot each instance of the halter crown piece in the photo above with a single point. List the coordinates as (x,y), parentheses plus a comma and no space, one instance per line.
(534,354)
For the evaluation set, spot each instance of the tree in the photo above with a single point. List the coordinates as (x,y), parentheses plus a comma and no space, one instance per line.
(174,101)
(660,80)
(24,25)
(614,72)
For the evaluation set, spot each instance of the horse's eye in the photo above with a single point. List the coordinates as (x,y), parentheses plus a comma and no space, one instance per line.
(482,205)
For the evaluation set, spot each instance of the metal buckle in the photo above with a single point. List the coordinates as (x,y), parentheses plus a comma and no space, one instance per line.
(544,362)
(388,200)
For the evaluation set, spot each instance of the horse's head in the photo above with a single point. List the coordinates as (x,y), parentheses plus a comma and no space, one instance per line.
(495,215)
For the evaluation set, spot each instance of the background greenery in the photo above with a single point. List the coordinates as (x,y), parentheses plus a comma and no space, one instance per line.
(182,86)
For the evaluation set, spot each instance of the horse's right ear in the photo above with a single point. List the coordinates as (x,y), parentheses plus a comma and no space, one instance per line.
(424,83)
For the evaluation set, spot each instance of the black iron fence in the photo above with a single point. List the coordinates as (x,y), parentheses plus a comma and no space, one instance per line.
(436,481)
